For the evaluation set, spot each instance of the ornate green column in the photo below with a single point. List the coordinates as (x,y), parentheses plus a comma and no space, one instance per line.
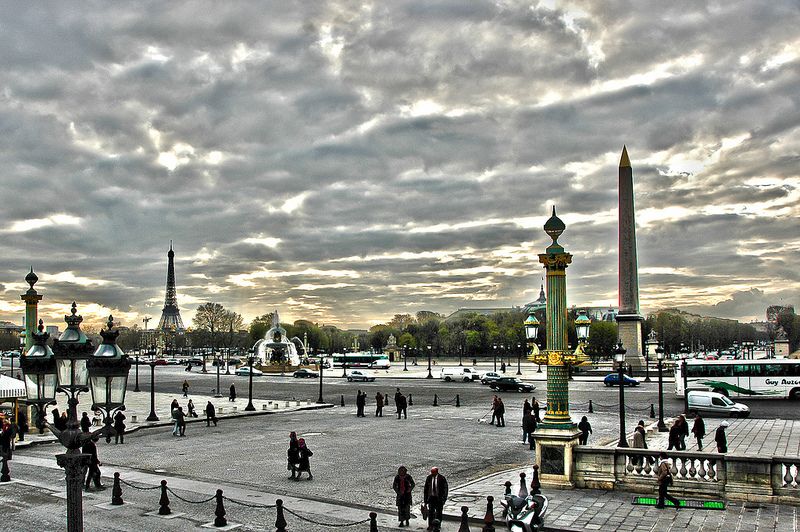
(31,298)
(555,261)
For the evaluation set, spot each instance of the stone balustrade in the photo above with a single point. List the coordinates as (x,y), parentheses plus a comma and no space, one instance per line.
(695,474)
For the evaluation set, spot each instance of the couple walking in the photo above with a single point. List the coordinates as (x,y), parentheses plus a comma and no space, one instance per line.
(434,496)
(298,456)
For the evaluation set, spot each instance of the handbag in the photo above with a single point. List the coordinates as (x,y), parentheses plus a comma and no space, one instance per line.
(424,510)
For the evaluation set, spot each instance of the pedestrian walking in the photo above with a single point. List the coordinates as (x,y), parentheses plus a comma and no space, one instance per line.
(435,495)
(63,421)
(232,396)
(536,408)
(176,428)
(526,407)
(402,405)
(699,430)
(211,414)
(586,428)
(639,441)
(495,402)
(119,427)
(361,401)
(304,463)
(528,426)
(501,412)
(293,455)
(93,471)
(6,439)
(674,436)
(721,438)
(534,425)
(683,433)
(185,388)
(190,411)
(403,485)
(180,421)
(664,479)
(379,404)
(86,423)
(22,425)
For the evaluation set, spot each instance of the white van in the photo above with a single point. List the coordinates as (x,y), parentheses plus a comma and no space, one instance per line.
(713,403)
(458,373)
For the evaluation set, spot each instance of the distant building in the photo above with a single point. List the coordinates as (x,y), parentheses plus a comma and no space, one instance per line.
(7,327)
(53,331)
(482,311)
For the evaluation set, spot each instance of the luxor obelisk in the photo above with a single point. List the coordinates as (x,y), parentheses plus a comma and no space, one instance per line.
(629,320)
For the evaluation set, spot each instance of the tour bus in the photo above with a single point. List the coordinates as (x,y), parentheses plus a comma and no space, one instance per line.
(358,360)
(776,377)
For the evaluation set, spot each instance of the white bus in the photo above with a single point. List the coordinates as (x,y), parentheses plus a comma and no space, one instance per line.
(741,378)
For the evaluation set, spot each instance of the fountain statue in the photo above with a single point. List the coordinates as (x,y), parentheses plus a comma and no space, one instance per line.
(276,348)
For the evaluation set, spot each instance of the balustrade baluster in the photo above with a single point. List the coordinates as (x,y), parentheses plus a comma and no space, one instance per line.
(788,478)
(647,467)
(701,471)
(629,467)
(692,468)
(712,470)
(682,470)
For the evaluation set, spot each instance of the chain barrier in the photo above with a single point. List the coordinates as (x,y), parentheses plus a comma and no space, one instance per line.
(330,525)
(250,505)
(137,487)
(187,500)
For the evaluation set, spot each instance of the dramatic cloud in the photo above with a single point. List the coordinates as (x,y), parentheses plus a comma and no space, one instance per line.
(344,161)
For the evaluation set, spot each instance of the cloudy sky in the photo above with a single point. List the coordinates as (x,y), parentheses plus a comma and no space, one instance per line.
(346,161)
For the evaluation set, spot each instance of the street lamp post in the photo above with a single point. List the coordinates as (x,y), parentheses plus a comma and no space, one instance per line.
(152,364)
(430,375)
(519,358)
(495,357)
(684,368)
(39,369)
(250,407)
(660,357)
(319,399)
(405,357)
(532,333)
(619,357)
(217,361)
(136,388)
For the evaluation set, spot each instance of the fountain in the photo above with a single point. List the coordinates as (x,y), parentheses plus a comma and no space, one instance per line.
(276,349)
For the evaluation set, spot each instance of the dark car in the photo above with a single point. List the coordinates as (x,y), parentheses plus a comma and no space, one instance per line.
(612,379)
(304,373)
(511,384)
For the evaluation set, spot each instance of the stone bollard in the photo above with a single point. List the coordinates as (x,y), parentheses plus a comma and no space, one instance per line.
(488,519)
(508,485)
(163,502)
(373,522)
(342,403)
(410,400)
(536,486)
(591,407)
(458,401)
(652,411)
(280,521)
(234,408)
(264,406)
(220,520)
(523,489)
(464,520)
(297,403)
(133,418)
(219,410)
(435,400)
(276,406)
(116,491)
(288,404)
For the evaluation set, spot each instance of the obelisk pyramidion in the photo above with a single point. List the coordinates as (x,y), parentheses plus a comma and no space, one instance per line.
(629,320)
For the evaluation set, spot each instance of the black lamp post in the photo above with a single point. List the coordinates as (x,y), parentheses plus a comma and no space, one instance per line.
(39,369)
(250,407)
(72,366)
(152,364)
(217,361)
(344,363)
(619,357)
(319,399)
(494,349)
(519,358)
(684,368)
(136,387)
(405,357)
(660,357)
(430,375)
(532,333)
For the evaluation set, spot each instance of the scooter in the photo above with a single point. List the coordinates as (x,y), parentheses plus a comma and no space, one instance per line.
(524,512)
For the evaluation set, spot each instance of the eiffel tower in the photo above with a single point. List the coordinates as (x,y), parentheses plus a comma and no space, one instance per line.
(171,316)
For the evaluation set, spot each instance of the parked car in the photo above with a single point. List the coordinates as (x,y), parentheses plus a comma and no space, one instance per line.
(489,377)
(612,379)
(159,362)
(304,373)
(715,404)
(196,361)
(458,373)
(244,371)
(508,384)
(360,375)
(172,361)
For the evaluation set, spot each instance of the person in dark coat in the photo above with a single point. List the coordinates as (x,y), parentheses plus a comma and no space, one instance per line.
(62,421)
(586,428)
(190,411)
(501,412)
(180,421)
(93,471)
(664,478)
(402,406)
(435,495)
(6,439)
(86,423)
(232,396)
(528,424)
(536,408)
(402,486)
(699,430)
(185,388)
(22,425)
(379,404)
(683,433)
(674,437)
(119,427)
(495,401)
(210,414)
(721,438)
(304,464)
(526,407)
(293,455)
(361,402)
